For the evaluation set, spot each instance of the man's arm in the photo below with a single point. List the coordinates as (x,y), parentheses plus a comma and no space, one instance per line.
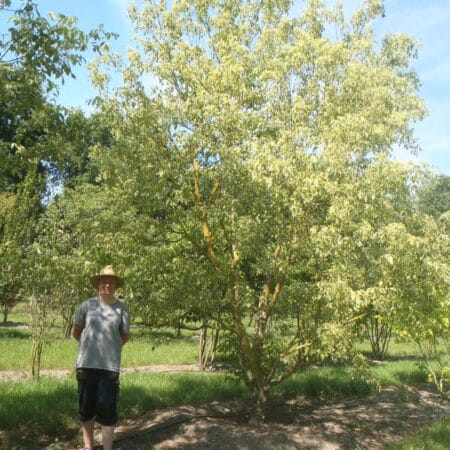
(125,338)
(76,332)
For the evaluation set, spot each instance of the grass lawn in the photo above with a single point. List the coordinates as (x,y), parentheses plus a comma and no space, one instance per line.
(143,349)
(435,437)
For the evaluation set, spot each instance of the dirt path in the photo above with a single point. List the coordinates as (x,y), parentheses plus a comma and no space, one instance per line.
(19,375)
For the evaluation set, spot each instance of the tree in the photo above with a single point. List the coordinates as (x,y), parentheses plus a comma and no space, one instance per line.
(416,268)
(8,293)
(18,232)
(382,196)
(78,232)
(36,53)
(46,48)
(81,230)
(434,195)
(248,149)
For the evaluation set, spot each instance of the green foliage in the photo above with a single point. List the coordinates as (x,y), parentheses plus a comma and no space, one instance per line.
(434,196)
(18,233)
(248,190)
(416,266)
(436,362)
(38,140)
(35,54)
(258,163)
(80,231)
(46,47)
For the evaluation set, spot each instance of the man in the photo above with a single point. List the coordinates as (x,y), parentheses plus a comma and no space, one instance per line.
(102,327)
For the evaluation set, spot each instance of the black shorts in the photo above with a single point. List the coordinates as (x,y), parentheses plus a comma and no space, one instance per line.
(98,393)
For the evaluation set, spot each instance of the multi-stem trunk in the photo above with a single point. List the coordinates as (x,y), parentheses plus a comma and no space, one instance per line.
(258,413)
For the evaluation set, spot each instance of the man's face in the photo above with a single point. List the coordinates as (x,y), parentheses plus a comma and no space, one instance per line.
(107,286)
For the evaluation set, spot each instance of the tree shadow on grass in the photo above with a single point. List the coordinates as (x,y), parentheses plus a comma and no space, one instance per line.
(143,392)
(412,376)
(32,412)
(14,333)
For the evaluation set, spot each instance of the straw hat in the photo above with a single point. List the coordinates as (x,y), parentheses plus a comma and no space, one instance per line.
(107,271)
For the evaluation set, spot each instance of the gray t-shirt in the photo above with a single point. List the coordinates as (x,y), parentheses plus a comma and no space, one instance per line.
(100,345)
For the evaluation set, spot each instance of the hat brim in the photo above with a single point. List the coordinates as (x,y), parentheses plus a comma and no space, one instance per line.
(95,280)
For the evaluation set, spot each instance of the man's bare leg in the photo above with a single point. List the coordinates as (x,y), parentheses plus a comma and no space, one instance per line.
(107,437)
(88,433)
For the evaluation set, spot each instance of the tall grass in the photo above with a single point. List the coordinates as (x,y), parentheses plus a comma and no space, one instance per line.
(397,349)
(326,383)
(45,405)
(143,392)
(48,407)
(405,371)
(159,348)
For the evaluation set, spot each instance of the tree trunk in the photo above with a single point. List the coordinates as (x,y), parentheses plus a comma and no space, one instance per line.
(257,415)
(379,335)
(67,329)
(215,343)
(202,346)
(178,332)
(5,313)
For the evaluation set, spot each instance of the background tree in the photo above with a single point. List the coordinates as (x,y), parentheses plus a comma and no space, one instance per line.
(8,292)
(37,53)
(416,268)
(78,232)
(249,148)
(382,196)
(434,195)
(36,150)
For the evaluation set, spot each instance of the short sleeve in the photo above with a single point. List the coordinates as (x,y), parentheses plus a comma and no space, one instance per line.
(80,315)
(125,323)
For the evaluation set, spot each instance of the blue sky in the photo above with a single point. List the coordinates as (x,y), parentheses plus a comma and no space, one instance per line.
(426,20)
